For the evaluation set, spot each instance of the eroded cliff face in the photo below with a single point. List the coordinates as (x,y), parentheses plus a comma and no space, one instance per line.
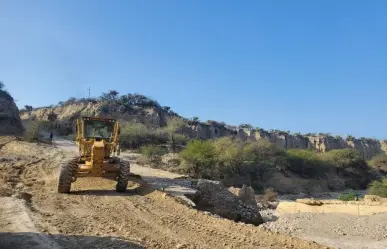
(10,123)
(321,143)
(65,115)
(157,117)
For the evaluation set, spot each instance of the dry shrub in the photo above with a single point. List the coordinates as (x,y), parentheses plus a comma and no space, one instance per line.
(379,162)
(269,195)
(378,187)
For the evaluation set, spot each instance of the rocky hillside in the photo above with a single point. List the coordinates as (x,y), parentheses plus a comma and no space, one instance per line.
(10,123)
(138,108)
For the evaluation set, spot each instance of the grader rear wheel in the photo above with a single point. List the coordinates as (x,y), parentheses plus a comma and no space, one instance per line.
(123,177)
(68,168)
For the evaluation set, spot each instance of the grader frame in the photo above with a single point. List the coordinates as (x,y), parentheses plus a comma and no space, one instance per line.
(97,141)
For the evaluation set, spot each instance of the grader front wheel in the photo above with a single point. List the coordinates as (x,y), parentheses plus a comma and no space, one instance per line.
(123,176)
(68,168)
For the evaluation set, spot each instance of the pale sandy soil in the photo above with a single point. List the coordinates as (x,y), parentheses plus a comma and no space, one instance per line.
(34,215)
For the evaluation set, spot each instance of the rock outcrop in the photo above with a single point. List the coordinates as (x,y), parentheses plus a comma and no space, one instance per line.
(10,123)
(67,114)
(322,143)
(156,116)
(212,196)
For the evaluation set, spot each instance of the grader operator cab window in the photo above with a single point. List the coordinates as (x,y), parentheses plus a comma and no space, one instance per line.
(98,129)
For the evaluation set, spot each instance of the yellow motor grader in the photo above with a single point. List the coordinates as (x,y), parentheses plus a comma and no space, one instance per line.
(97,140)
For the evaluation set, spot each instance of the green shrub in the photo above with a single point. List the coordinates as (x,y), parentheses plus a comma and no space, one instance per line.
(229,156)
(379,162)
(348,163)
(172,131)
(135,135)
(264,151)
(262,159)
(306,163)
(199,159)
(180,139)
(237,162)
(345,158)
(378,187)
(152,153)
(269,195)
(351,196)
(234,161)
(32,130)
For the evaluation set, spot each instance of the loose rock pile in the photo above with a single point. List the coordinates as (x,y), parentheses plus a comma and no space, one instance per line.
(214,197)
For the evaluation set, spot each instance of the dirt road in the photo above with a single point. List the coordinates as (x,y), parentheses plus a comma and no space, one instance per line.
(33,215)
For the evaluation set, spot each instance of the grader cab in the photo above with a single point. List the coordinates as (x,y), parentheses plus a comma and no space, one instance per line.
(97,140)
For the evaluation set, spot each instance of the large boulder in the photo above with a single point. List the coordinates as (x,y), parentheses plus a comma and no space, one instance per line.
(214,197)
(10,123)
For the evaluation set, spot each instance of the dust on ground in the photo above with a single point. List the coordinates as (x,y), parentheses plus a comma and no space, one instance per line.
(95,216)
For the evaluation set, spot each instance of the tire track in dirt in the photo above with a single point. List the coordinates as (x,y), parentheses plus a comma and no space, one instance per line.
(185,226)
(144,217)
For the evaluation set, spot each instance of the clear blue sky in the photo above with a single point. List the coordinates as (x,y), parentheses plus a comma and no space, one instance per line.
(303,66)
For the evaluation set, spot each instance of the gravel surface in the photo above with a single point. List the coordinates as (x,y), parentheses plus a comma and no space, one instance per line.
(338,230)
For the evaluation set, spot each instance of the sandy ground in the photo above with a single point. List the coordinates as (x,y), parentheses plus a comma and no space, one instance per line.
(340,230)
(33,215)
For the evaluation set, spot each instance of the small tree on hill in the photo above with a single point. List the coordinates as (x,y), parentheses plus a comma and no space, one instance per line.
(166,108)
(70,101)
(1,85)
(199,158)
(193,121)
(246,126)
(141,100)
(174,125)
(28,108)
(123,100)
(110,96)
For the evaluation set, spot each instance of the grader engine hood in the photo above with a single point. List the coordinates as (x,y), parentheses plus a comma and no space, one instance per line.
(98,152)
